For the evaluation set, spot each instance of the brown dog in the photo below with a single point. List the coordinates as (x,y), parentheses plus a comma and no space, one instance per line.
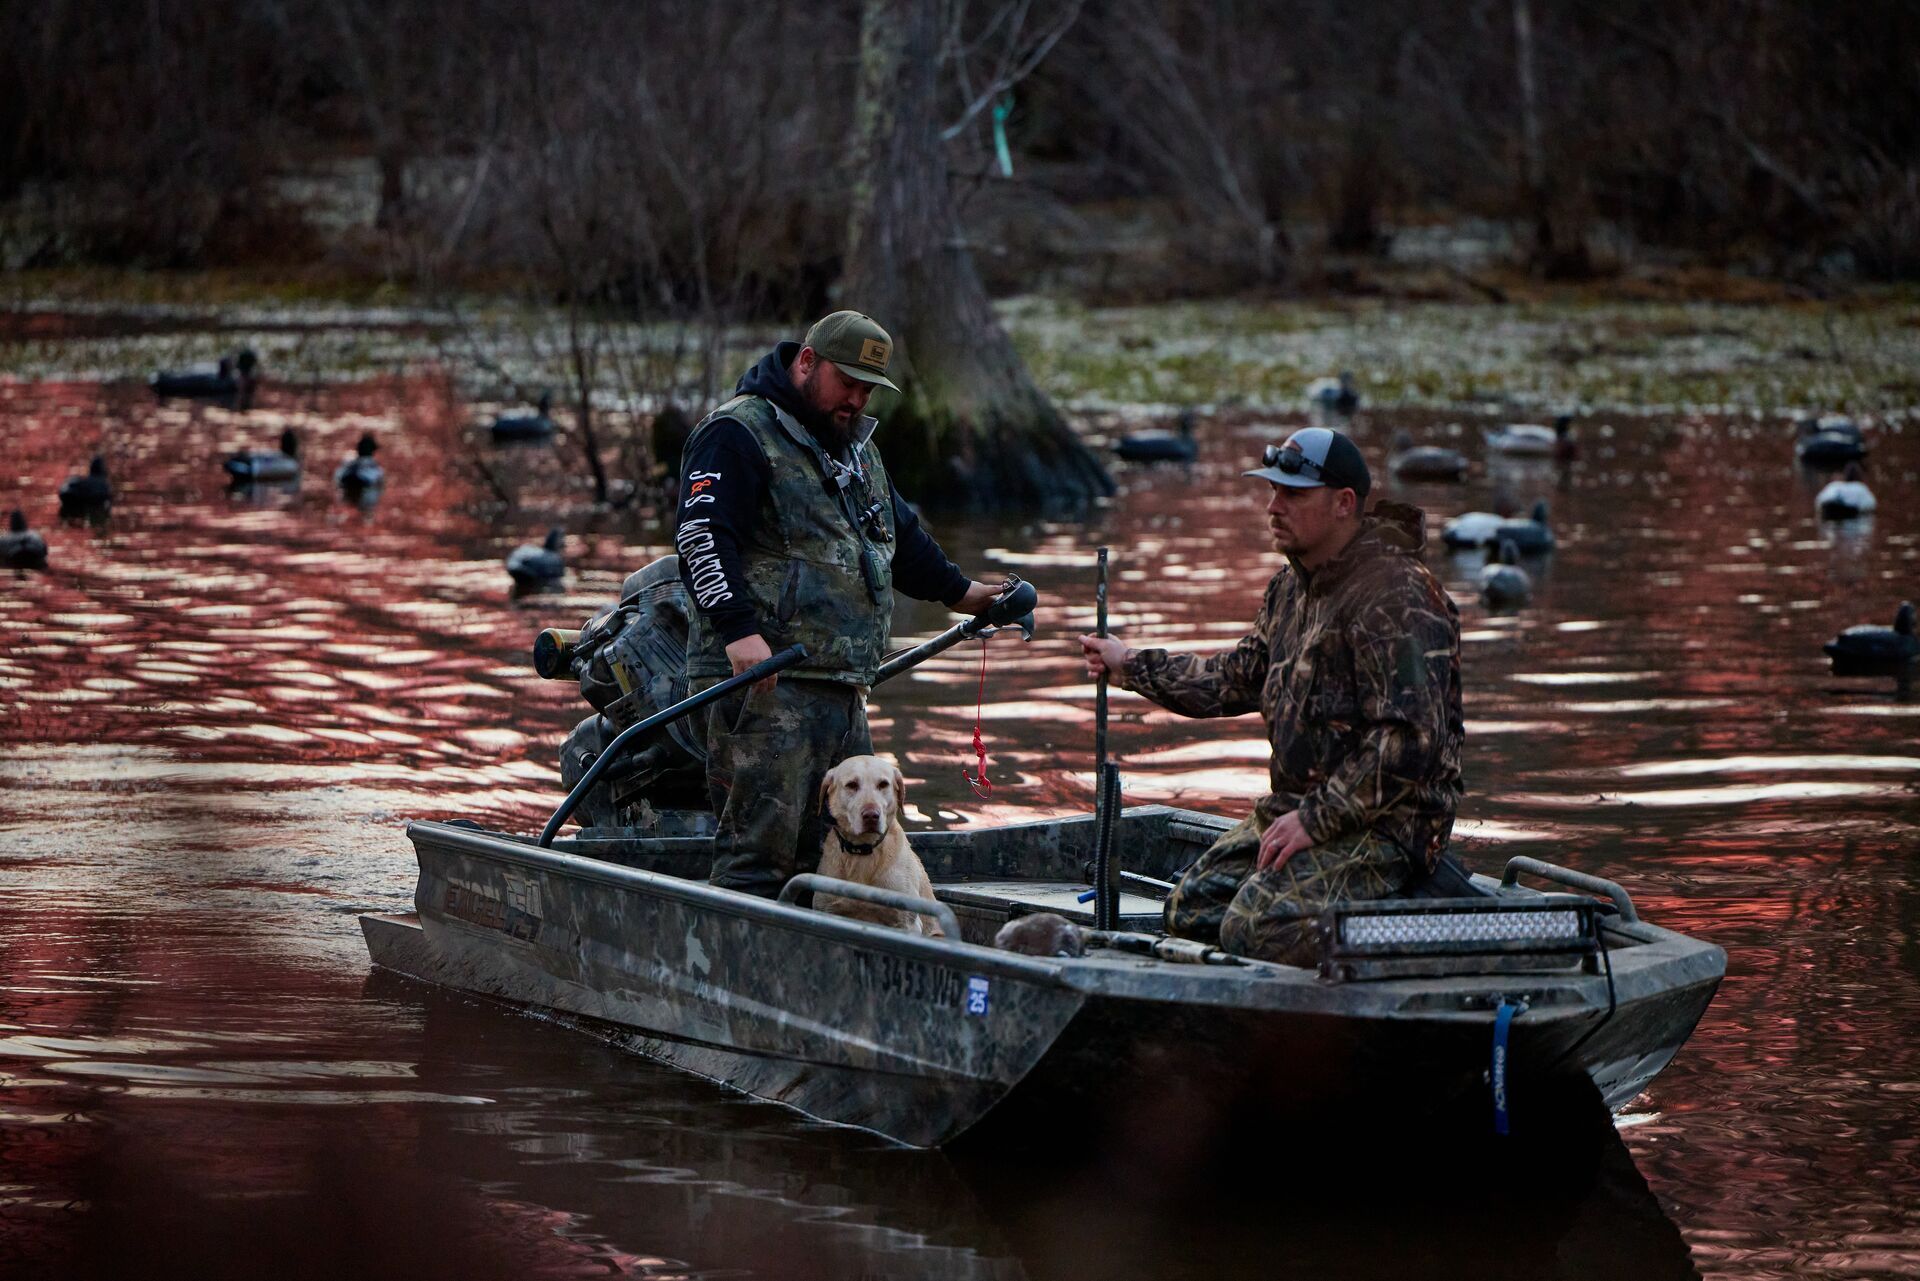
(862,797)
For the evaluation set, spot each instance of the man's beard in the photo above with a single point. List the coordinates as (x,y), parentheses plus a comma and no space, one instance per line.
(833,436)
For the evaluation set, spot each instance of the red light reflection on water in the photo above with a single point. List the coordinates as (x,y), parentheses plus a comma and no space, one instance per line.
(229,701)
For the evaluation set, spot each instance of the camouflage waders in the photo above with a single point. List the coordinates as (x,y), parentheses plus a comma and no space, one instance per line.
(783,744)
(1272,915)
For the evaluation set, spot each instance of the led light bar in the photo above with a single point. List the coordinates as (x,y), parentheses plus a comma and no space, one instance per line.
(1390,930)
(1391,938)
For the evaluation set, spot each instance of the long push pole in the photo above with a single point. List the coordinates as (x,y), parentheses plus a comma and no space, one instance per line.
(1100,687)
(1106,781)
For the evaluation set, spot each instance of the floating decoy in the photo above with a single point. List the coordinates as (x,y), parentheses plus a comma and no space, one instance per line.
(1565,447)
(1533,440)
(283,465)
(533,566)
(1846,498)
(1471,529)
(20,547)
(232,379)
(360,473)
(1832,440)
(1336,395)
(1160,446)
(1877,651)
(1531,537)
(1423,462)
(526,426)
(88,494)
(1503,584)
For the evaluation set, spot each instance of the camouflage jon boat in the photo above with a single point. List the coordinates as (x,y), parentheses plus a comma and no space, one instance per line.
(920,1038)
(1471,1000)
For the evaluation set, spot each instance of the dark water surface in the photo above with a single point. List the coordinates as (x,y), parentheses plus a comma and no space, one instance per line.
(219,708)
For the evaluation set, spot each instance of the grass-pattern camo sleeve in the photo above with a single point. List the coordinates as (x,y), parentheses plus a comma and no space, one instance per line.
(1226,684)
(1404,649)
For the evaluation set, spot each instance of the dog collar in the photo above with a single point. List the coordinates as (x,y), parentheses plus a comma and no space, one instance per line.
(854,847)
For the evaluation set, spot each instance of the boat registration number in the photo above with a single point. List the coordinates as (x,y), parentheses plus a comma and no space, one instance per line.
(918,981)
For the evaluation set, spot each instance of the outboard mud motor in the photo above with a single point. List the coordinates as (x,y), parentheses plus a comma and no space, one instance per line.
(631,661)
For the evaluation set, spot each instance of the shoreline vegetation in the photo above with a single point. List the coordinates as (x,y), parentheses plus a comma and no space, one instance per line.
(1696,344)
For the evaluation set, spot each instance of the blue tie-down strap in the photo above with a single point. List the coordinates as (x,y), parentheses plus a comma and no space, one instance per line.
(1502,1026)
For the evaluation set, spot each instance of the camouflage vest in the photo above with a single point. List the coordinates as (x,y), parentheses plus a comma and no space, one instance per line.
(815,573)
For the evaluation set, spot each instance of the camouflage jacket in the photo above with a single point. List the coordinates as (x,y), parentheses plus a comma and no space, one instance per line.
(1356,670)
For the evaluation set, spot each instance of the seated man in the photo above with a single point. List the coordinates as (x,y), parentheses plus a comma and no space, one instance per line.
(1354,664)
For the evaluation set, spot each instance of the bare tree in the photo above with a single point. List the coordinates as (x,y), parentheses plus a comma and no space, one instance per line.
(1191,90)
(971,407)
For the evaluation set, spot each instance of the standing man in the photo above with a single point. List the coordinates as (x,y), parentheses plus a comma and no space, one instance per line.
(791,532)
(1354,664)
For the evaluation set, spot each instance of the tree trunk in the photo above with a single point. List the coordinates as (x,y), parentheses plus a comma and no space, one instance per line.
(972,427)
(1533,152)
(1557,255)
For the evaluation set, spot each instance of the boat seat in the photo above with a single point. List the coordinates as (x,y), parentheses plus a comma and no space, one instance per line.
(997,902)
(1449,879)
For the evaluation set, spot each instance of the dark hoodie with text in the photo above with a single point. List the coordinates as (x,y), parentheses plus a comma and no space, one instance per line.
(736,473)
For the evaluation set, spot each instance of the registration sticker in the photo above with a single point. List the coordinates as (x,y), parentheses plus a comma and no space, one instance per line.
(976,994)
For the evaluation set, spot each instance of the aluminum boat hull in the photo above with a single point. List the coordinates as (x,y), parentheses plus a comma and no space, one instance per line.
(920,1039)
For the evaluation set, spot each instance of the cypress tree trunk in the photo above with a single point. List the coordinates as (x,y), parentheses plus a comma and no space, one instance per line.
(973,428)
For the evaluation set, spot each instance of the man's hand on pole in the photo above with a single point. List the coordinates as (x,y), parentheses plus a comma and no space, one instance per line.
(1105,656)
(1284,837)
(747,651)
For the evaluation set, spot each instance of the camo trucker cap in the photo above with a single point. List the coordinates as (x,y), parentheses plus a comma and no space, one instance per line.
(1312,457)
(856,345)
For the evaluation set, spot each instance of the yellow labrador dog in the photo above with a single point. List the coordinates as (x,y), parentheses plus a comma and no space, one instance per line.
(861,796)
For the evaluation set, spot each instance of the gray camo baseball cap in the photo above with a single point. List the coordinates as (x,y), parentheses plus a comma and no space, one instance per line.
(1312,457)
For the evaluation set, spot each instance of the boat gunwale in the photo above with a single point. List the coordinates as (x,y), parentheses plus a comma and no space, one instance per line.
(1254,986)
(731,902)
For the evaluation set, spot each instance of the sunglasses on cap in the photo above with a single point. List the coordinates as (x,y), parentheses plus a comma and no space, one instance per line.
(1290,460)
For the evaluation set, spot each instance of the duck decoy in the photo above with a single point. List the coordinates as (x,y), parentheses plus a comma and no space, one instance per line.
(360,473)
(533,566)
(526,426)
(1334,395)
(89,494)
(1471,529)
(232,379)
(1535,441)
(1175,446)
(20,547)
(1503,584)
(1423,462)
(1877,651)
(1832,440)
(1565,447)
(282,465)
(1845,498)
(1531,537)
